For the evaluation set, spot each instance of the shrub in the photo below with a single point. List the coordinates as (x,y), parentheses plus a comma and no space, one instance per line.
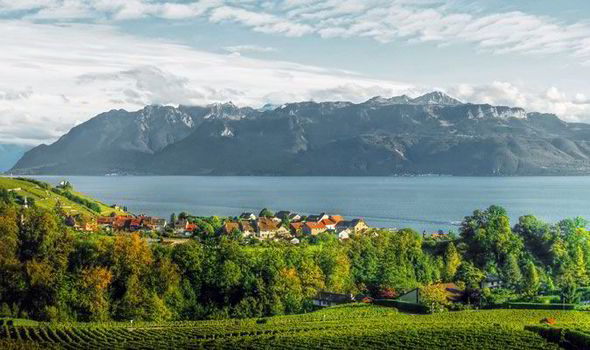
(578,339)
(539,306)
(402,305)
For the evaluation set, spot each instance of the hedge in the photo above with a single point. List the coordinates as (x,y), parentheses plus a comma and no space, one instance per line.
(402,305)
(540,306)
(579,340)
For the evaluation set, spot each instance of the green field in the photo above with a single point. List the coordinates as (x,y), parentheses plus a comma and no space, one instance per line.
(354,326)
(48,199)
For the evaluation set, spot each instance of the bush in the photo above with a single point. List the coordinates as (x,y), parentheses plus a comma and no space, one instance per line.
(578,339)
(402,305)
(552,334)
(540,306)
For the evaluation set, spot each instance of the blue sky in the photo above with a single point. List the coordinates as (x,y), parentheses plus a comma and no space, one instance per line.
(64,61)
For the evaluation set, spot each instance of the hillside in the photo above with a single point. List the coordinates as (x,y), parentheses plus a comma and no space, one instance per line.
(46,198)
(353,326)
(430,134)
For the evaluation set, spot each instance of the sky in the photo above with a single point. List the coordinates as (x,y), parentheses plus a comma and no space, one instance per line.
(65,61)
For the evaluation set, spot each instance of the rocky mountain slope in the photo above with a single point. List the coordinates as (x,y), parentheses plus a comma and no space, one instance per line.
(431,134)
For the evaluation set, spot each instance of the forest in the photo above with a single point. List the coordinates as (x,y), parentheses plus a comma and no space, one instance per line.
(49,272)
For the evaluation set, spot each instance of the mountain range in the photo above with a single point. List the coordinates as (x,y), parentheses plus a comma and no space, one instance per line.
(430,134)
(10,154)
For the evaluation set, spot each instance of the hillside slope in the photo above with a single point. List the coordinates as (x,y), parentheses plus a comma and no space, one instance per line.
(46,198)
(431,134)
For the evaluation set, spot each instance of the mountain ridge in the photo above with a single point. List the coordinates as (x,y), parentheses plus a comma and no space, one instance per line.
(430,134)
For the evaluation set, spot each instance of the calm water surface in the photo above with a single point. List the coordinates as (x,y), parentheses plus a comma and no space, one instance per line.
(423,203)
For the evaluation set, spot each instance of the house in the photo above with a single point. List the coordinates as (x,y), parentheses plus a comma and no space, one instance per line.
(324,299)
(295,240)
(359,225)
(247,228)
(105,221)
(344,234)
(296,228)
(266,228)
(248,216)
(135,224)
(122,223)
(180,226)
(454,293)
(318,218)
(491,281)
(294,217)
(90,226)
(313,228)
(190,229)
(159,224)
(356,225)
(230,226)
(336,218)
(329,223)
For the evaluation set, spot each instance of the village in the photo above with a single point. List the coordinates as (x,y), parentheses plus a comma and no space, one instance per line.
(284,225)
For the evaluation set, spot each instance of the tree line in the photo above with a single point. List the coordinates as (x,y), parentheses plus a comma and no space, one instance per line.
(48,272)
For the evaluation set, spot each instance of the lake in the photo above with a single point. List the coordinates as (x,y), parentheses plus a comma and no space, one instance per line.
(423,203)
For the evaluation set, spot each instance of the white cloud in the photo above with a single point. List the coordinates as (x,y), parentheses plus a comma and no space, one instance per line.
(382,20)
(261,22)
(248,48)
(552,100)
(69,73)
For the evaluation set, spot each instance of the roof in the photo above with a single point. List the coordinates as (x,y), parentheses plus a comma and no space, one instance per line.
(191,227)
(328,222)
(296,225)
(246,226)
(336,218)
(315,225)
(265,224)
(230,226)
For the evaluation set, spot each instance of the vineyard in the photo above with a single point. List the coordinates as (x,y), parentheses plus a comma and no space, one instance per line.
(344,327)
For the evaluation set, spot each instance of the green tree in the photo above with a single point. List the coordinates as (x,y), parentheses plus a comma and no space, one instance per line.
(489,237)
(452,262)
(531,280)
(512,273)
(266,213)
(469,274)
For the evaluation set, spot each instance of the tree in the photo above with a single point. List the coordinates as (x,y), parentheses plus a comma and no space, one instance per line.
(172,219)
(568,287)
(434,297)
(531,281)
(489,237)
(469,274)
(452,262)
(512,273)
(266,213)
(579,267)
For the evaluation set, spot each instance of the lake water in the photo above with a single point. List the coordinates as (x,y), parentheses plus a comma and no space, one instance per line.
(423,203)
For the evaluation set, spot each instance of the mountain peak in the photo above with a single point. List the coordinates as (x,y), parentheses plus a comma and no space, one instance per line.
(383,101)
(436,98)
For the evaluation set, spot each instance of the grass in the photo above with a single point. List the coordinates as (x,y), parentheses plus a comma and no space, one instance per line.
(48,199)
(351,326)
